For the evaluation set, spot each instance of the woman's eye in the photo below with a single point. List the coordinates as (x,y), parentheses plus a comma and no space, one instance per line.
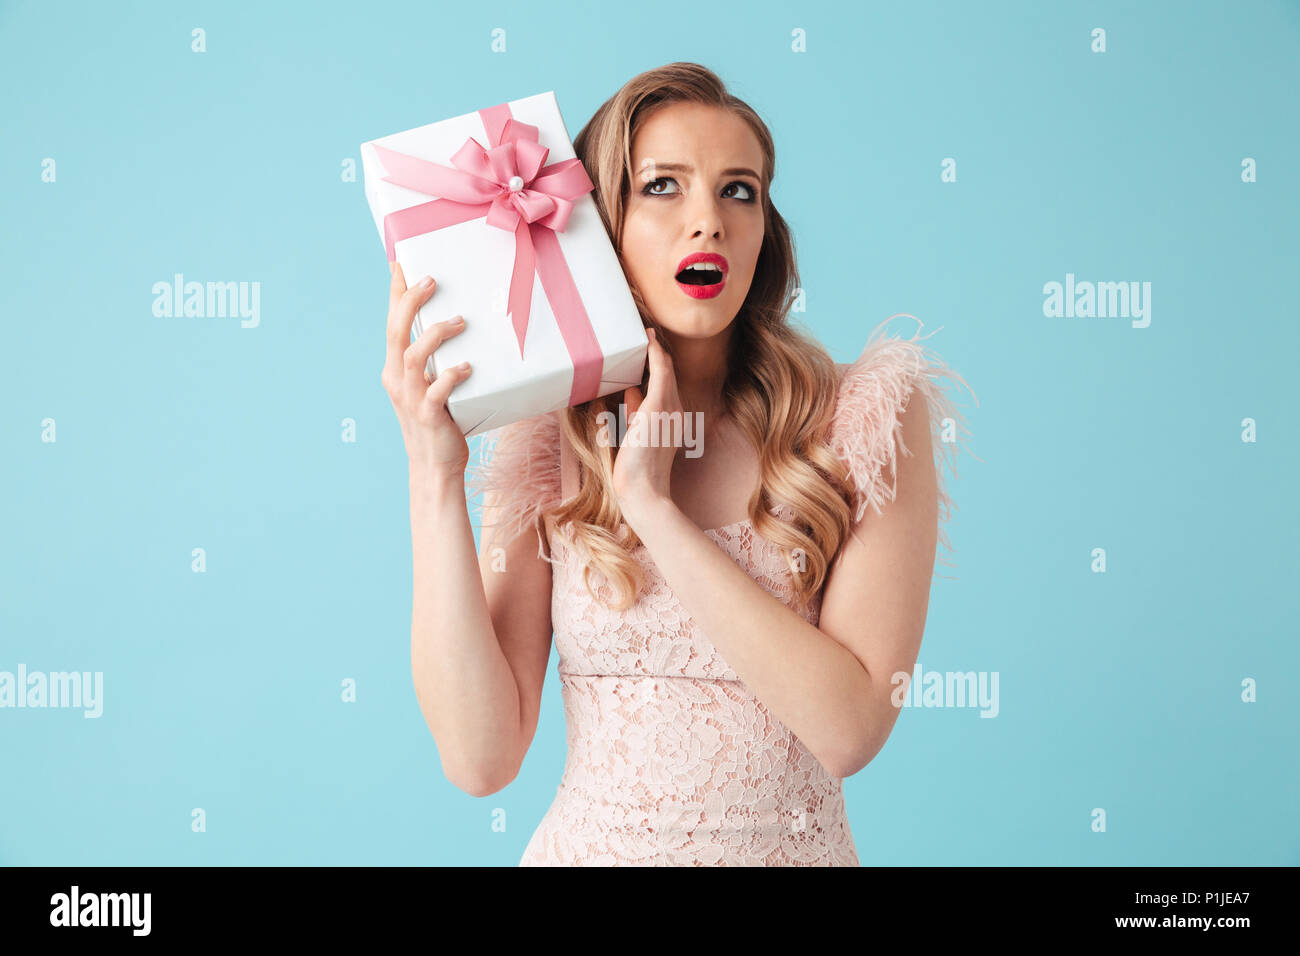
(749,193)
(650,190)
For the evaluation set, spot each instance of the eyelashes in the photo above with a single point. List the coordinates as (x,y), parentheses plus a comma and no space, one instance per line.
(646,190)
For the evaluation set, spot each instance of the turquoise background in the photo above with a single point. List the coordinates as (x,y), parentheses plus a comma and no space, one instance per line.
(222,690)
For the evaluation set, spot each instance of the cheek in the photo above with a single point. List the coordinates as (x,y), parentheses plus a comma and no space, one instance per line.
(640,246)
(746,231)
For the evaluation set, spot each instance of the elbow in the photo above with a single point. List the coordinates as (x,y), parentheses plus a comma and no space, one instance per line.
(474,777)
(863,743)
(847,763)
(478,790)
(846,768)
(478,784)
(843,768)
(480,778)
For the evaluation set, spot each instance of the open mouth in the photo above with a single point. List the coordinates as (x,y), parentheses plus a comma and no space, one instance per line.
(700,274)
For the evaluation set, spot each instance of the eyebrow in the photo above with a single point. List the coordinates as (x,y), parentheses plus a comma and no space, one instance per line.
(684,168)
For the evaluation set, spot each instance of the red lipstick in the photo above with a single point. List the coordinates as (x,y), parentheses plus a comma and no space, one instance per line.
(704,282)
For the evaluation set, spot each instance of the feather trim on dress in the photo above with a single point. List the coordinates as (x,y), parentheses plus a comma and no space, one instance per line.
(874,392)
(520,461)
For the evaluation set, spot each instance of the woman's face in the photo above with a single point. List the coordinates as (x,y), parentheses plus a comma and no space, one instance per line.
(695,189)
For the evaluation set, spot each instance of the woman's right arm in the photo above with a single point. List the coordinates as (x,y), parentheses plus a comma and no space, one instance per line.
(480,626)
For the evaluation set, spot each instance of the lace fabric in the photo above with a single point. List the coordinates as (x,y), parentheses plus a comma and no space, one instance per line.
(671,761)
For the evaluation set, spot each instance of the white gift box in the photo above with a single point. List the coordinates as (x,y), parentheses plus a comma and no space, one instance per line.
(473,261)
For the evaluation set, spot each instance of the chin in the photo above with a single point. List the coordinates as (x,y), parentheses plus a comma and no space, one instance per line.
(691,320)
(685,327)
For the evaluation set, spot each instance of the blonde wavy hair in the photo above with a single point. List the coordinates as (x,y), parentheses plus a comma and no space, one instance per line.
(780,388)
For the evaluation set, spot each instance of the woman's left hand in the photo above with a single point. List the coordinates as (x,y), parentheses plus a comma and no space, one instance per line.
(644,463)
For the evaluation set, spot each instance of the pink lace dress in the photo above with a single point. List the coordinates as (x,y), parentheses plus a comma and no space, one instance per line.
(671,760)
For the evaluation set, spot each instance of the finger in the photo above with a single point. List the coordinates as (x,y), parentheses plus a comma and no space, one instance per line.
(402,315)
(437,393)
(403,311)
(632,400)
(396,285)
(396,289)
(661,374)
(416,356)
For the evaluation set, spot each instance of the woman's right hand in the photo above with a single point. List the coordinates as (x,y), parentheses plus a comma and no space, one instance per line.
(434,442)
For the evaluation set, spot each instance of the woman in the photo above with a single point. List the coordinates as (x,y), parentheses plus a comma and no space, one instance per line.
(729,624)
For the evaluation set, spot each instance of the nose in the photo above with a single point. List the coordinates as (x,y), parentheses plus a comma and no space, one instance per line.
(706,217)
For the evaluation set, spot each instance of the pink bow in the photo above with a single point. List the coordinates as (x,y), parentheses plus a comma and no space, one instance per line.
(508,184)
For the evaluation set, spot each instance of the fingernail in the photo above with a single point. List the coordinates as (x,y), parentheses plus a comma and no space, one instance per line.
(458,320)
(426,282)
(463,366)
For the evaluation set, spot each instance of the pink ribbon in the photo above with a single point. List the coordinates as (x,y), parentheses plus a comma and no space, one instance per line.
(508,185)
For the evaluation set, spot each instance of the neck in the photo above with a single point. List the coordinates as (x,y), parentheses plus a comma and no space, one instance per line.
(700,366)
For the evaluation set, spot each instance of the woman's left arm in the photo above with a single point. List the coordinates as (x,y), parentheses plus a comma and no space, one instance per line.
(831,685)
